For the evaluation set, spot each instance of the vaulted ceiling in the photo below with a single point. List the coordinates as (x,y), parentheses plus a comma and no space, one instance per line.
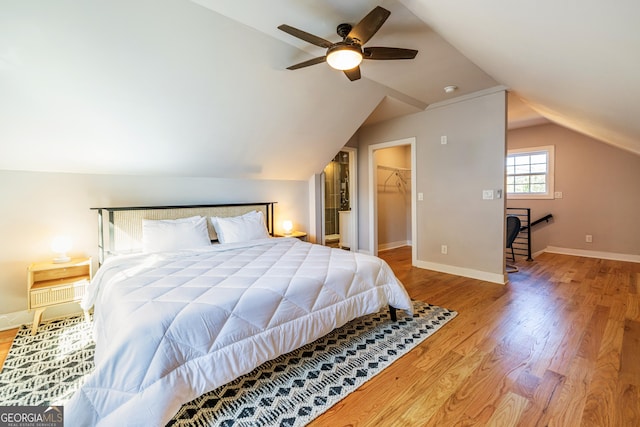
(200,88)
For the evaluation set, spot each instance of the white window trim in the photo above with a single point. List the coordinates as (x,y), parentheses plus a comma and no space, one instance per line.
(550,174)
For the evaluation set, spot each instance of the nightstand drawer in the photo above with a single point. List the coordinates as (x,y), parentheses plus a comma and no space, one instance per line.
(57,295)
(61,273)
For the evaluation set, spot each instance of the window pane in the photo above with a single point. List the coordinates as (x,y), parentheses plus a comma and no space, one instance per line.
(522,179)
(538,168)
(522,169)
(538,188)
(511,170)
(538,179)
(510,189)
(510,161)
(510,180)
(522,160)
(522,188)
(539,158)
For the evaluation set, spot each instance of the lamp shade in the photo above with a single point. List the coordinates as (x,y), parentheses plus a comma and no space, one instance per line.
(287,226)
(344,56)
(61,245)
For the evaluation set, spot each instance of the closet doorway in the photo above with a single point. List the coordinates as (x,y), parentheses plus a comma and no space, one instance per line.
(392,201)
(339,228)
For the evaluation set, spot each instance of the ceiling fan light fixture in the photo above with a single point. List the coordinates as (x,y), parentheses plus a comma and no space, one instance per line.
(344,56)
(347,54)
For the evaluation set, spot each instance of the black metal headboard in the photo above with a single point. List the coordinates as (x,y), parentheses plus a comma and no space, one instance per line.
(124,224)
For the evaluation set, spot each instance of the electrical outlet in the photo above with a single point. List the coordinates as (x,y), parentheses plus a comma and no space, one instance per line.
(443,140)
(443,249)
(588,238)
(420,196)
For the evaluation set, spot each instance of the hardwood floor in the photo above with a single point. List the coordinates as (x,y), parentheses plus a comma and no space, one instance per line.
(6,339)
(557,346)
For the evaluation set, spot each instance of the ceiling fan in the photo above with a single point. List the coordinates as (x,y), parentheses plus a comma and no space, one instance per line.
(347,54)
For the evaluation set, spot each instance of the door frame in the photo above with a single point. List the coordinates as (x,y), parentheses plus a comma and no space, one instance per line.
(373,194)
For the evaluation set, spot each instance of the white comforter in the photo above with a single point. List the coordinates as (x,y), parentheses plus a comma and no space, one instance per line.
(170,327)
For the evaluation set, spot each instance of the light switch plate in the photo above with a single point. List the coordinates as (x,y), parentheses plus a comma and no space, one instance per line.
(487,194)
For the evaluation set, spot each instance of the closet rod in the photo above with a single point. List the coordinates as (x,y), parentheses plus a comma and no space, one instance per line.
(392,168)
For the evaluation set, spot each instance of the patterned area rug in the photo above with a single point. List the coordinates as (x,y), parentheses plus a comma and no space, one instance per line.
(47,368)
(291,390)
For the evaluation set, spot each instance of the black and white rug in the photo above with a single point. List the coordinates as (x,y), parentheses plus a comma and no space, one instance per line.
(291,390)
(47,368)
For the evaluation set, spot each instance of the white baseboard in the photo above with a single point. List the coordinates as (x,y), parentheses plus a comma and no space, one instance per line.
(15,320)
(593,254)
(464,272)
(24,317)
(393,245)
(536,254)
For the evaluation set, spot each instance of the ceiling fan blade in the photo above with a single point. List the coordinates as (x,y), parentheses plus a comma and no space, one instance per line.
(313,61)
(303,35)
(388,53)
(369,25)
(353,74)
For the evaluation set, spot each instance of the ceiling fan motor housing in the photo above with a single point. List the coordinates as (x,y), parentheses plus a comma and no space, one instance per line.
(345,46)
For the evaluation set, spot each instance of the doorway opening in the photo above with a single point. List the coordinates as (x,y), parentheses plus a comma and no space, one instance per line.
(339,187)
(392,196)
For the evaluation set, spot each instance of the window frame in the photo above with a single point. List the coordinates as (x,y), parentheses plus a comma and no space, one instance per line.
(549,194)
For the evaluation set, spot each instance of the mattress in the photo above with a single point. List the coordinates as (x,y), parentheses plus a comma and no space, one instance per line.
(172,326)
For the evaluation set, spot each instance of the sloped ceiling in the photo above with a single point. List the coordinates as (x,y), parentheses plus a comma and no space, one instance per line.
(574,62)
(199,88)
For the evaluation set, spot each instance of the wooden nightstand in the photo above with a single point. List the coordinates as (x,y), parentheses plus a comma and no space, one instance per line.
(50,284)
(297,234)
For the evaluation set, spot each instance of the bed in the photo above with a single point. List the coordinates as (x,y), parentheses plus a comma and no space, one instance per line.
(181,308)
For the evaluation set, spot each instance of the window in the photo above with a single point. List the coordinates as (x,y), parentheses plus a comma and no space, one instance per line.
(530,173)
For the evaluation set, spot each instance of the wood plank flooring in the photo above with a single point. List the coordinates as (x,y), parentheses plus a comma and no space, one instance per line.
(557,346)
(6,339)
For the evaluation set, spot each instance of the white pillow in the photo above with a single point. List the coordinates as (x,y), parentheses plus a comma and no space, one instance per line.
(249,226)
(174,234)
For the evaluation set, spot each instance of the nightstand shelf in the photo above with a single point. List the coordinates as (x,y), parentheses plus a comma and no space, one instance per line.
(50,284)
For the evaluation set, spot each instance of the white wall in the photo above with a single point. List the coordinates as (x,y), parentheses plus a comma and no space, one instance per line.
(38,206)
(452,178)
